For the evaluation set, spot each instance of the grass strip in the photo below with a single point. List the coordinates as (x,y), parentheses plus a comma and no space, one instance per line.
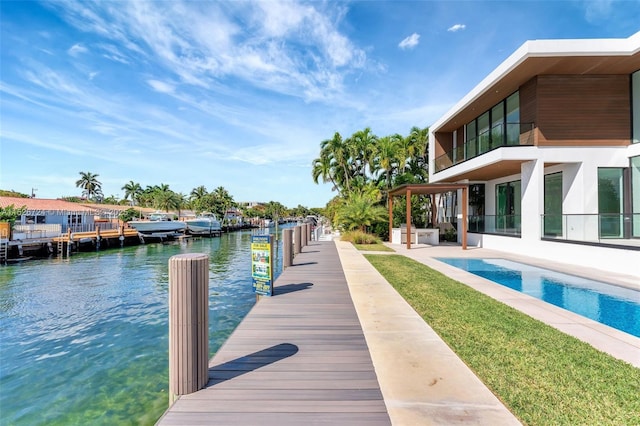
(372,247)
(543,376)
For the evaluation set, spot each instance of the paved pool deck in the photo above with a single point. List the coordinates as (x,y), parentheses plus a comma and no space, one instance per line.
(607,339)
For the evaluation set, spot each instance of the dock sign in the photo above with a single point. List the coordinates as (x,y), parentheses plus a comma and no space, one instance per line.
(262,264)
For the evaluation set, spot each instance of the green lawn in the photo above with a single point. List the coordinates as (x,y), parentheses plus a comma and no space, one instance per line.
(545,377)
(372,247)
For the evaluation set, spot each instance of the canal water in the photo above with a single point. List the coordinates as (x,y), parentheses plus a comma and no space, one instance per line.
(85,340)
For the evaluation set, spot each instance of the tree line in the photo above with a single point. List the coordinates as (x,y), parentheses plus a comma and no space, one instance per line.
(363,167)
(161,197)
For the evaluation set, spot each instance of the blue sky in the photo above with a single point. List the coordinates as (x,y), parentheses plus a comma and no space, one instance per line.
(240,94)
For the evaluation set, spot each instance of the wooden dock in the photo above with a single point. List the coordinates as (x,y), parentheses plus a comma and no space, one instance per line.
(298,358)
(65,241)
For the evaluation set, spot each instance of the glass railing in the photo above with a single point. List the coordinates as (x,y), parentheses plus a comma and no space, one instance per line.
(495,224)
(511,134)
(593,228)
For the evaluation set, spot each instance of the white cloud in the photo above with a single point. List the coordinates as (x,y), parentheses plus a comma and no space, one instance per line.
(410,42)
(160,86)
(291,48)
(77,49)
(456,27)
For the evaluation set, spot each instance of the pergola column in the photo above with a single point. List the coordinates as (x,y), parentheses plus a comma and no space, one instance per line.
(408,219)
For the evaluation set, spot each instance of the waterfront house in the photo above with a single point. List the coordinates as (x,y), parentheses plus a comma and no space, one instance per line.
(46,218)
(549,146)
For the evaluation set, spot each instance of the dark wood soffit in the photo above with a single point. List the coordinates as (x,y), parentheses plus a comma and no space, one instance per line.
(492,171)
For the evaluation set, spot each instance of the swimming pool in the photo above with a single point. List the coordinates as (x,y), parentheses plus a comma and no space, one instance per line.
(614,306)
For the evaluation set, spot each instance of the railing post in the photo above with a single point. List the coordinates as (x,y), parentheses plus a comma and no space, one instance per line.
(188,324)
(287,249)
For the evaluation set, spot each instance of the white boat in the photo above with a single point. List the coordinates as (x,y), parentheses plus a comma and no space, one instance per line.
(205,224)
(158,222)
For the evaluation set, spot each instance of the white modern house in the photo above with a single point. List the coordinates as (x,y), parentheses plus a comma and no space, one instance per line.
(549,146)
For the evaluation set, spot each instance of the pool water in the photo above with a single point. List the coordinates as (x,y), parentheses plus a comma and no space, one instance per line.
(614,306)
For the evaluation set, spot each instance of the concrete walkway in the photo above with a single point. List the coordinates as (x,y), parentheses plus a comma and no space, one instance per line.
(422,380)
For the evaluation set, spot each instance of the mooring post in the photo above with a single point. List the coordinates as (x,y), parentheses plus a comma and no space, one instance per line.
(309,239)
(297,239)
(188,324)
(287,249)
(305,240)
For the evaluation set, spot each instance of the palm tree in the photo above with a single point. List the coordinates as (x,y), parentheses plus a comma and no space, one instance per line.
(198,193)
(90,185)
(200,199)
(338,153)
(223,200)
(362,146)
(359,211)
(322,168)
(133,190)
(167,200)
(389,157)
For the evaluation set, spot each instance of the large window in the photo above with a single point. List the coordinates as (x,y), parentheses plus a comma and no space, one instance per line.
(476,207)
(635,105)
(471,140)
(611,202)
(484,137)
(513,119)
(635,195)
(553,205)
(497,127)
(508,211)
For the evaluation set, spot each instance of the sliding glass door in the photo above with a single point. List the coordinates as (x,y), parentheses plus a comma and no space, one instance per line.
(611,202)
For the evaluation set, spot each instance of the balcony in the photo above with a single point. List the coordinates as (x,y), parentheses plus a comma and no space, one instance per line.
(510,225)
(611,229)
(501,135)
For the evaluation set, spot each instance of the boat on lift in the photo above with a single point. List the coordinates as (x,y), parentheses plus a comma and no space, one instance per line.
(159,222)
(204,224)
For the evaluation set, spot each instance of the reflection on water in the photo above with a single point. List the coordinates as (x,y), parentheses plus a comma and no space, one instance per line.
(85,340)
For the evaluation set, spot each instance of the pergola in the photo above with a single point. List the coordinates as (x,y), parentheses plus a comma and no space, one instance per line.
(429,188)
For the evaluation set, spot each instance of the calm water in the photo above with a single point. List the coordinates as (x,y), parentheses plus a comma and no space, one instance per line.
(614,306)
(85,340)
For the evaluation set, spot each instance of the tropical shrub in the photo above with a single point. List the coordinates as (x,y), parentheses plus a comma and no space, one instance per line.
(11,213)
(359,237)
(129,214)
(359,211)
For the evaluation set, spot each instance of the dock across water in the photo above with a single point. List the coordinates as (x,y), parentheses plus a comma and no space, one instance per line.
(299,357)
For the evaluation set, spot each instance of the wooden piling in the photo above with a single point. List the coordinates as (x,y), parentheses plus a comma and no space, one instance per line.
(188,323)
(305,240)
(287,249)
(297,239)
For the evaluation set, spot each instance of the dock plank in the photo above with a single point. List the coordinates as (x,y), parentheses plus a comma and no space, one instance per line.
(299,357)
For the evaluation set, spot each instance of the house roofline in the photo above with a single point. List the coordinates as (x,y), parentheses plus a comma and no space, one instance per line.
(613,47)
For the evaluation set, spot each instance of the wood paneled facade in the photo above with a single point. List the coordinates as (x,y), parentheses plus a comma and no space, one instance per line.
(566,110)
(578,110)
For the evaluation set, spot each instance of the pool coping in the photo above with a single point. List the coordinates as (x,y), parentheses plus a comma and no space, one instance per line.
(607,339)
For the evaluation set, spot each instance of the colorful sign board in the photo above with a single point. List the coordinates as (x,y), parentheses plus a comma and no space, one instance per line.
(262,264)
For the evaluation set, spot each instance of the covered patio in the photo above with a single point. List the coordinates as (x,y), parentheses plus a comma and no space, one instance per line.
(428,189)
